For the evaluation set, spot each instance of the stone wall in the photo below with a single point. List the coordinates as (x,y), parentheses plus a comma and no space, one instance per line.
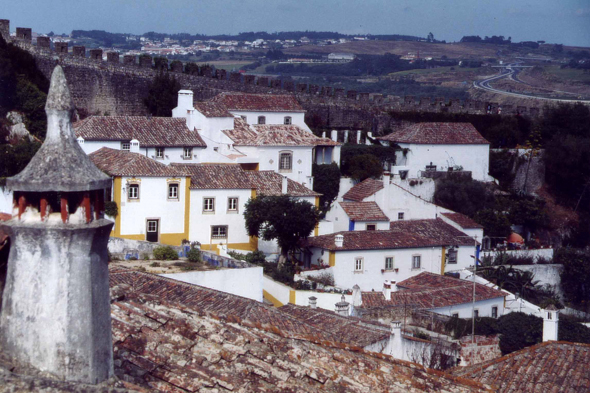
(483,349)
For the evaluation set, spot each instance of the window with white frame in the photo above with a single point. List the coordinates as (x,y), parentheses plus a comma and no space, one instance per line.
(208,205)
(126,146)
(358,264)
(287,120)
(219,232)
(416,261)
(232,204)
(371,227)
(133,191)
(286,161)
(495,312)
(452,256)
(261,120)
(159,152)
(388,263)
(173,191)
(187,152)
(400,215)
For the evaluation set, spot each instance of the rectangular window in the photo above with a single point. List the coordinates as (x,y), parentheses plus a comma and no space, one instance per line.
(287,120)
(494,312)
(371,227)
(455,315)
(152,226)
(219,232)
(452,256)
(261,120)
(400,216)
(173,191)
(476,313)
(159,152)
(388,263)
(431,168)
(208,205)
(232,204)
(125,146)
(416,261)
(187,152)
(286,161)
(358,264)
(133,191)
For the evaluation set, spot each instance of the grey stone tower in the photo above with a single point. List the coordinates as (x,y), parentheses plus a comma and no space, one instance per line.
(55,312)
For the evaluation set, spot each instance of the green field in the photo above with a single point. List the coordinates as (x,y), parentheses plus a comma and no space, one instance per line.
(439,70)
(227,65)
(568,74)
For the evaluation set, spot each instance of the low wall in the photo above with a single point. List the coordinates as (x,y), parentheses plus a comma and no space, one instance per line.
(280,294)
(545,274)
(546,253)
(123,248)
(245,282)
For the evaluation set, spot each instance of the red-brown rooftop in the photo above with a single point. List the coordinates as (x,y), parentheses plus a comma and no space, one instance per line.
(363,211)
(437,134)
(463,221)
(363,190)
(259,102)
(124,163)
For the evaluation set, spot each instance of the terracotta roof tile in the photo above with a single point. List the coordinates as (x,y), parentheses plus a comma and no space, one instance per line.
(363,190)
(437,134)
(402,234)
(464,221)
(123,163)
(270,183)
(363,211)
(259,102)
(552,366)
(274,135)
(212,109)
(149,131)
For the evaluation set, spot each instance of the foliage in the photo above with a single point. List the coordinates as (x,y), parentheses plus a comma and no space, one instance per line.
(194,255)
(31,101)
(14,158)
(325,278)
(365,166)
(161,63)
(463,195)
(501,167)
(575,277)
(503,258)
(165,253)
(519,330)
(460,327)
(495,223)
(527,211)
(385,154)
(326,181)
(572,331)
(111,209)
(162,95)
(283,218)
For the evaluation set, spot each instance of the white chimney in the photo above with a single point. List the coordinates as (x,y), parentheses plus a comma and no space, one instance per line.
(284,185)
(323,134)
(345,136)
(395,340)
(393,287)
(342,307)
(313,302)
(335,135)
(387,290)
(369,135)
(134,146)
(185,100)
(357,297)
(550,323)
(339,240)
(358,137)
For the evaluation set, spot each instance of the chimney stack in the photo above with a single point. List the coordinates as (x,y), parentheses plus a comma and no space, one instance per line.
(550,323)
(284,185)
(358,137)
(334,135)
(395,340)
(339,240)
(369,135)
(313,302)
(387,290)
(357,297)
(342,307)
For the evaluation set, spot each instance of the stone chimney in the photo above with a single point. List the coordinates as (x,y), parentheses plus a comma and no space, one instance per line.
(55,312)
(550,323)
(395,340)
(313,302)
(343,307)
(357,297)
(339,240)
(334,135)
(284,185)
(387,290)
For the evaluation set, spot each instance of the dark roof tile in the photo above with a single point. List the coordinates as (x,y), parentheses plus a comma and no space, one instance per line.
(363,190)
(363,211)
(437,134)
(123,163)
(258,102)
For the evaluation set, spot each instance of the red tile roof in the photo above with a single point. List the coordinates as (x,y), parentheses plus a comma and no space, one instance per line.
(437,134)
(403,234)
(552,366)
(258,102)
(270,183)
(212,109)
(464,221)
(363,190)
(149,131)
(274,135)
(363,211)
(429,290)
(123,163)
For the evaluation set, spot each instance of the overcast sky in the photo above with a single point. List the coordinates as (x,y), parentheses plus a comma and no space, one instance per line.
(555,21)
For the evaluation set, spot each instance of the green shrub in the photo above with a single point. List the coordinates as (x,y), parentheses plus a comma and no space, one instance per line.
(194,255)
(111,209)
(145,256)
(154,264)
(484,326)
(519,330)
(256,257)
(165,253)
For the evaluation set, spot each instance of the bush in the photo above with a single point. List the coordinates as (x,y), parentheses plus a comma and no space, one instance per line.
(145,256)
(459,327)
(365,166)
(194,255)
(165,253)
(111,209)
(518,331)
(324,278)
(326,182)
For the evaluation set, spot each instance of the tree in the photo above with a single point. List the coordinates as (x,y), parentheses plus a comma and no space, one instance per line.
(162,95)
(495,223)
(519,330)
(430,37)
(575,277)
(364,166)
(14,158)
(326,181)
(463,195)
(283,218)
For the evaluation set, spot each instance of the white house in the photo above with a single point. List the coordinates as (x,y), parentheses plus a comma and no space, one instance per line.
(408,248)
(164,139)
(463,223)
(440,147)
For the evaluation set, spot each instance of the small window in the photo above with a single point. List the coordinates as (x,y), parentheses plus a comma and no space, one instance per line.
(455,315)
(416,261)
(152,226)
(159,152)
(208,205)
(400,216)
(219,232)
(431,168)
(494,312)
(286,161)
(287,120)
(126,146)
(358,264)
(476,313)
(548,315)
(261,120)
(232,204)
(173,191)
(452,256)
(371,227)
(133,191)
(187,152)
(388,263)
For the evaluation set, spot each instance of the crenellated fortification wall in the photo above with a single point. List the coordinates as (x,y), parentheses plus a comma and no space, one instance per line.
(118,88)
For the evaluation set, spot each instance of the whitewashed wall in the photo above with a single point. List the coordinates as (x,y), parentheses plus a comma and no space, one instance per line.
(297,118)
(5,200)
(245,282)
(268,157)
(465,310)
(546,253)
(92,146)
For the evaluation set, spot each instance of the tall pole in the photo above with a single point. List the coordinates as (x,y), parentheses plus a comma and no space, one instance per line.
(473,305)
